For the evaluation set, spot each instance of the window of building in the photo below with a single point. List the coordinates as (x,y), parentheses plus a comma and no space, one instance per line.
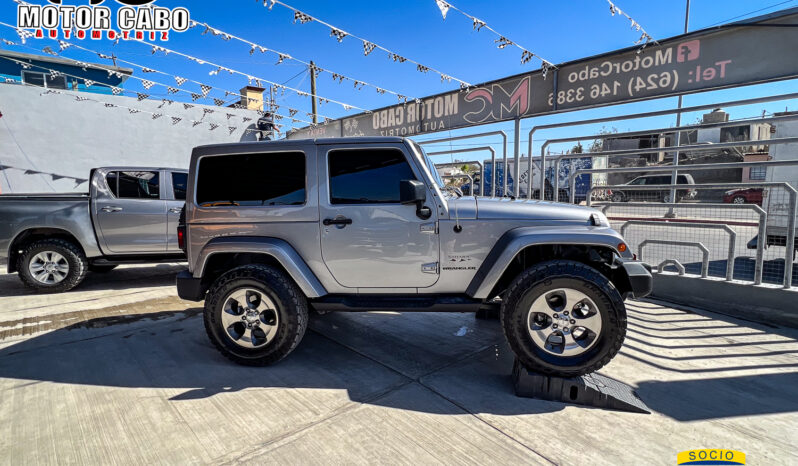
(735,133)
(367,176)
(179,183)
(758,173)
(269,179)
(57,82)
(134,185)
(34,79)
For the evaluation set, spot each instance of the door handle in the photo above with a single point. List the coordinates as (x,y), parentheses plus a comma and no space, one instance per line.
(111,209)
(176,210)
(337,221)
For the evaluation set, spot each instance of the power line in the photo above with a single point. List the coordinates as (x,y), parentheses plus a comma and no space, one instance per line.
(750,12)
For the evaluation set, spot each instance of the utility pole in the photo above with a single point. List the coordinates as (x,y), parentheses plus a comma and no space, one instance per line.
(313,92)
(675,173)
(271,98)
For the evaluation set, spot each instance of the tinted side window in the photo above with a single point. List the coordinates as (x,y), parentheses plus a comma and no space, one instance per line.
(270,179)
(179,183)
(112,183)
(367,176)
(138,185)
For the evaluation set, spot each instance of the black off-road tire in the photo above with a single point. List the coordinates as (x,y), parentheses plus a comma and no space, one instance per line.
(551,275)
(101,268)
(292,309)
(78,265)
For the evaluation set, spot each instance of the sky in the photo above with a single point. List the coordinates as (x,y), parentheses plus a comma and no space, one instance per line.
(559,31)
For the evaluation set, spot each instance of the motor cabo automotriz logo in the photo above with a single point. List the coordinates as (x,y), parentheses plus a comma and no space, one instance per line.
(135,19)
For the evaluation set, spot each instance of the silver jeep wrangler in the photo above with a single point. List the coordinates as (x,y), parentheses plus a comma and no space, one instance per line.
(274,229)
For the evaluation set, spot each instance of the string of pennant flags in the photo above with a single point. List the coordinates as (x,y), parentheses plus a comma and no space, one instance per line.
(368,46)
(283,56)
(148,83)
(645,37)
(502,41)
(131,110)
(55,176)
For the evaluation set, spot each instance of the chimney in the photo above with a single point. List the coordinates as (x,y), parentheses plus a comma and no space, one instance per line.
(716,116)
(252,97)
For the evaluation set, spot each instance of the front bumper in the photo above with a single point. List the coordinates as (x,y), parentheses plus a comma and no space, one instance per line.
(189,288)
(638,274)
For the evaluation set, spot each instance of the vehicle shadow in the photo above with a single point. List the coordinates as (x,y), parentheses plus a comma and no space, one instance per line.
(123,278)
(171,351)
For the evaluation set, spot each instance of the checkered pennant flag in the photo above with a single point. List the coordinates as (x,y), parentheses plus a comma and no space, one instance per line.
(503,42)
(11,81)
(81,99)
(180,81)
(141,96)
(176,120)
(218,102)
(479,24)
(155,116)
(347,107)
(526,56)
(116,90)
(238,106)
(24,34)
(338,77)
(88,82)
(63,45)
(397,57)
(380,91)
(282,57)
(368,47)
(8,42)
(302,17)
(133,111)
(422,69)
(172,90)
(207,111)
(213,126)
(187,106)
(114,73)
(82,64)
(232,129)
(195,123)
(229,115)
(147,70)
(194,97)
(107,105)
(205,90)
(445,78)
(104,56)
(246,119)
(49,51)
(338,34)
(55,74)
(292,111)
(165,102)
(147,84)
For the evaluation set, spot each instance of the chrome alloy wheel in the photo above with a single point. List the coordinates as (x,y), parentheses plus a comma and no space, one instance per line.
(48,267)
(250,318)
(564,322)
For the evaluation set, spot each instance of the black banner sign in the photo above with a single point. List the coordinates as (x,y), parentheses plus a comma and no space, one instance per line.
(753,51)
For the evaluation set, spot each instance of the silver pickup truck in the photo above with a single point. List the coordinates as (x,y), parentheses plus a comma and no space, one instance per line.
(364,224)
(130,215)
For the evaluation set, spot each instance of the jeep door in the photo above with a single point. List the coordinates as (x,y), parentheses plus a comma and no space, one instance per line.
(369,239)
(130,213)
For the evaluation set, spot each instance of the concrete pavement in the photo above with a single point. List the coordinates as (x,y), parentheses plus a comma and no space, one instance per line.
(140,383)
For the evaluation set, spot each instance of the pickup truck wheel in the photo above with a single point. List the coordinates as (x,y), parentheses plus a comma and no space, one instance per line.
(52,265)
(255,315)
(563,318)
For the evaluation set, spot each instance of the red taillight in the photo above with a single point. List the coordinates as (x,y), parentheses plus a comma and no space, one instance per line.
(181,238)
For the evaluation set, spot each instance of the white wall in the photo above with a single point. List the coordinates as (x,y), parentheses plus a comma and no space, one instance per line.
(56,134)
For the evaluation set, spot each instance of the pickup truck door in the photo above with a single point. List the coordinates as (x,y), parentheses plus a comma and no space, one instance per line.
(369,239)
(131,213)
(175,201)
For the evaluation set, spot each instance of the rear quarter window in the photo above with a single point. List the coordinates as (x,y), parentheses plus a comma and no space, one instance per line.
(265,179)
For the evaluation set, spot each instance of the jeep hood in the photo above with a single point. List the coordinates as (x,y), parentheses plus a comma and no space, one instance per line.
(506,209)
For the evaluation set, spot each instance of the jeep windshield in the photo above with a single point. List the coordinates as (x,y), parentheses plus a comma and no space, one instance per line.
(433,172)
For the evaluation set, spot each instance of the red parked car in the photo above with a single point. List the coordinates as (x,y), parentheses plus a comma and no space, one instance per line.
(744,196)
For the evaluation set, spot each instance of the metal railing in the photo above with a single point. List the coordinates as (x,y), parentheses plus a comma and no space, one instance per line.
(481,167)
(704,252)
(474,149)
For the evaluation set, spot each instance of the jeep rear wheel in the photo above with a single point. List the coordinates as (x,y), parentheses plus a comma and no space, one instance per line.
(563,318)
(255,315)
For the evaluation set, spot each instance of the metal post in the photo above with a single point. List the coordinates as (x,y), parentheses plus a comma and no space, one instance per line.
(675,172)
(788,256)
(517,159)
(313,92)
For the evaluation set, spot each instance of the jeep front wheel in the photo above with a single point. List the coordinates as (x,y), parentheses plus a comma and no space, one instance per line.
(255,315)
(563,318)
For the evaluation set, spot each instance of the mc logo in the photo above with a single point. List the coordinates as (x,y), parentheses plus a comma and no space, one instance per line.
(123,2)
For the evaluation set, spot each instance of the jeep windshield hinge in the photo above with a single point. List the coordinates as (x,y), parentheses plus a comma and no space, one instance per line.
(432,267)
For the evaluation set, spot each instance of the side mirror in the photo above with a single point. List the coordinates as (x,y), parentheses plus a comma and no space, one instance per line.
(412,192)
